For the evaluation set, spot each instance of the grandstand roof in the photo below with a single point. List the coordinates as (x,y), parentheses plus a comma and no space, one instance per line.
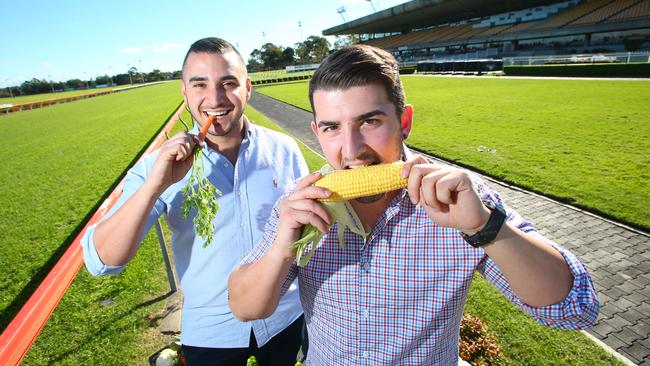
(423,13)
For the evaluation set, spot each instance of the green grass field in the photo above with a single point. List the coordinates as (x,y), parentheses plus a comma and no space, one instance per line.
(584,142)
(59,163)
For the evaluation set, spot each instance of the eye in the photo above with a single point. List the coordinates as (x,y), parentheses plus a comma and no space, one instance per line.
(371,121)
(229,84)
(330,128)
(198,85)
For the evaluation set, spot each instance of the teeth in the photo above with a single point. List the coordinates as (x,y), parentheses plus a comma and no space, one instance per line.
(218,114)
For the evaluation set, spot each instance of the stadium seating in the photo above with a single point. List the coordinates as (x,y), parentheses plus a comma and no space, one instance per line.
(601,14)
(638,11)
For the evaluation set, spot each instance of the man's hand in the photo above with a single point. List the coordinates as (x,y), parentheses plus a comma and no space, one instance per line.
(447,194)
(299,209)
(173,162)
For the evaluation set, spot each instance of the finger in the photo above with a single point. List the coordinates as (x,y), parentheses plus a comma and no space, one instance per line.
(430,190)
(309,217)
(451,185)
(309,180)
(310,192)
(311,206)
(416,173)
(416,159)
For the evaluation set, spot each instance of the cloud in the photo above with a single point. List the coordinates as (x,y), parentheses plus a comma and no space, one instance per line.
(155,48)
(46,64)
(165,47)
(131,50)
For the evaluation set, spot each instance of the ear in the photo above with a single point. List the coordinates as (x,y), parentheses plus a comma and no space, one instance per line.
(249,88)
(406,120)
(314,128)
(183,91)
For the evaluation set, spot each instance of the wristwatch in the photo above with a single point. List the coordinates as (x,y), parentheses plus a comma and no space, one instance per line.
(490,231)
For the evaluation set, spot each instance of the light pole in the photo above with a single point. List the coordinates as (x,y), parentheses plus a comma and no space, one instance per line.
(51,83)
(129,72)
(341,11)
(9,87)
(110,72)
(372,6)
(300,28)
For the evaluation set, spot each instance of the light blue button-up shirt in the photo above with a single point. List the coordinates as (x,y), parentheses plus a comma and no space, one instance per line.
(267,163)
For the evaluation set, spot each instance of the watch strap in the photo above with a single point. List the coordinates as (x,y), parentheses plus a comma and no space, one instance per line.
(490,230)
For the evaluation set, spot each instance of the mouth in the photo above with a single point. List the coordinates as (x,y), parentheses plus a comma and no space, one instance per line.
(217,114)
(359,165)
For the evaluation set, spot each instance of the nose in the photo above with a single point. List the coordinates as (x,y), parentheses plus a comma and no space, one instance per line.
(353,144)
(216,96)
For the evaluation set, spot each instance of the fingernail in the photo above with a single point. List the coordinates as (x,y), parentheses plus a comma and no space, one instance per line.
(325,193)
(404,173)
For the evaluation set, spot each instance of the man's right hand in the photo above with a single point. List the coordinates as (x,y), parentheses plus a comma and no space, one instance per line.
(174,160)
(298,209)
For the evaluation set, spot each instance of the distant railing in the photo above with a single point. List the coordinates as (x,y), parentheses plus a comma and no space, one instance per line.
(624,57)
(12,108)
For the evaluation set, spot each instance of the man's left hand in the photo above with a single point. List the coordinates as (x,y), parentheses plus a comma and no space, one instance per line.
(447,194)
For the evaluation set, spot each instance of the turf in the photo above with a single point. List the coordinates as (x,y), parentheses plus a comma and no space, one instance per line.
(59,162)
(584,142)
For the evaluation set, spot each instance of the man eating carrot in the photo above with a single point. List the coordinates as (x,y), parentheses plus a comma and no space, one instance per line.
(250,166)
(394,293)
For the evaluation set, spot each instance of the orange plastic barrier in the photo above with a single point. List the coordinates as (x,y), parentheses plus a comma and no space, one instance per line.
(21,333)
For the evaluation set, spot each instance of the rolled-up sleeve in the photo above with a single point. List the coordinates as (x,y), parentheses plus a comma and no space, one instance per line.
(132,182)
(579,309)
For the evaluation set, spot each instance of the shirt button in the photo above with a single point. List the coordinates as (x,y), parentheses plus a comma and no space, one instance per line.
(225,165)
(365,354)
(366,313)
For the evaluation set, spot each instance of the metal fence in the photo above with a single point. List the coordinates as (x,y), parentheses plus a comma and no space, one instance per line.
(624,57)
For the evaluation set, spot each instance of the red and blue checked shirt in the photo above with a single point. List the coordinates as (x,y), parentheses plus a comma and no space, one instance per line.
(397,297)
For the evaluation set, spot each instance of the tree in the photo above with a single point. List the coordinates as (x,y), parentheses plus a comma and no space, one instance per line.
(35,86)
(75,84)
(255,62)
(121,79)
(313,49)
(154,75)
(103,80)
(288,56)
(344,41)
(271,56)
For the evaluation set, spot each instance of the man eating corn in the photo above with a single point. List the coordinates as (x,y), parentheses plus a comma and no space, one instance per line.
(394,292)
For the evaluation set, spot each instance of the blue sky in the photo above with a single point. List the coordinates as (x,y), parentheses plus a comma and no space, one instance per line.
(65,39)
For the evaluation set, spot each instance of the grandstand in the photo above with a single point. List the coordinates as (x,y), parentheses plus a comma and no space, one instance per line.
(487,29)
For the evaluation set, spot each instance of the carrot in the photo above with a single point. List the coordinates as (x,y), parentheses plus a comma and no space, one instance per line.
(204,129)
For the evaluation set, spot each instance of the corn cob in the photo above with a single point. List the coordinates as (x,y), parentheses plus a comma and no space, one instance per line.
(361,182)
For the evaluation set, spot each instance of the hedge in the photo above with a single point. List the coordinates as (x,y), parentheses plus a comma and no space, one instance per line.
(641,69)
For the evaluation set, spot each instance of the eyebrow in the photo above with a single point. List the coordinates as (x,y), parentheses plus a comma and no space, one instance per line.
(361,117)
(376,112)
(205,78)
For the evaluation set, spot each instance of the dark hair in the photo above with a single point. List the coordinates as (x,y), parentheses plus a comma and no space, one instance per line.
(211,45)
(359,65)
